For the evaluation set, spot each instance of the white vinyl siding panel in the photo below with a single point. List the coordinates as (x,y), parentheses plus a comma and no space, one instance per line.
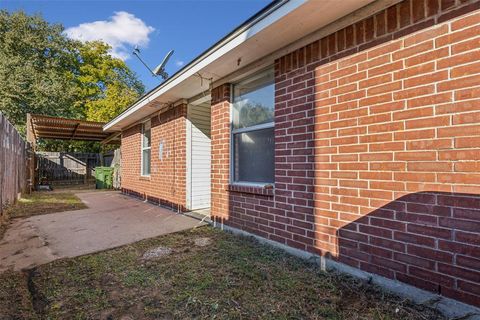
(200,145)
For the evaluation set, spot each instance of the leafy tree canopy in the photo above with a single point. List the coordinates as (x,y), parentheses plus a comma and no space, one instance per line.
(107,86)
(36,73)
(44,72)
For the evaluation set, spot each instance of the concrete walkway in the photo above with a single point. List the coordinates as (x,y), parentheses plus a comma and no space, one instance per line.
(111,220)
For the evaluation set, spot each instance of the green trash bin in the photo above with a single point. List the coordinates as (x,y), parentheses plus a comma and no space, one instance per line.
(104,177)
(108,174)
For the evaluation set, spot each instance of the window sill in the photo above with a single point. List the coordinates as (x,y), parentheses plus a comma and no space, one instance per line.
(144,178)
(266,190)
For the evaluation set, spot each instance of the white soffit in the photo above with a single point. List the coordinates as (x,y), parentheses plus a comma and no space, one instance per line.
(287,23)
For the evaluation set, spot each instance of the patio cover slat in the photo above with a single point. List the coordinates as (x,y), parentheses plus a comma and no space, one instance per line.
(47,127)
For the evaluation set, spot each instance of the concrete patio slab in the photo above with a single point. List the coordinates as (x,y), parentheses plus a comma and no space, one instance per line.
(111,220)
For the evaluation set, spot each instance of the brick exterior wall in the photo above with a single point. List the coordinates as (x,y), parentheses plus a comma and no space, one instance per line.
(377,149)
(220,144)
(166,185)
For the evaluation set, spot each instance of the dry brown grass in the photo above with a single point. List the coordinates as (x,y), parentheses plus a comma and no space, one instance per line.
(45,202)
(231,278)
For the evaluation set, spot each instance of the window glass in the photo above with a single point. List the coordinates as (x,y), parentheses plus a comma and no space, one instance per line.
(146,134)
(146,148)
(254,156)
(253,100)
(146,162)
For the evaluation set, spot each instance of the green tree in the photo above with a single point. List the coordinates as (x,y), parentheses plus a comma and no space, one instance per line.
(44,72)
(35,68)
(107,86)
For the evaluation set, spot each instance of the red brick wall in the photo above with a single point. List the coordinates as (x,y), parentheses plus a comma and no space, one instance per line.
(377,149)
(220,144)
(167,182)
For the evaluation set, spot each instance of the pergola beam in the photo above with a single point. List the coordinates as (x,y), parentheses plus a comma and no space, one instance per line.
(55,137)
(47,127)
(111,138)
(68,134)
(75,131)
(67,130)
(31,135)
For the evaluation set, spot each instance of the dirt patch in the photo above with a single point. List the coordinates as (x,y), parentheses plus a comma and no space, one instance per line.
(202,242)
(37,299)
(15,299)
(3,228)
(156,253)
(231,278)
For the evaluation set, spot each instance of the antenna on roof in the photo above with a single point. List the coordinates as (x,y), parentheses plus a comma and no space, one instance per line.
(160,69)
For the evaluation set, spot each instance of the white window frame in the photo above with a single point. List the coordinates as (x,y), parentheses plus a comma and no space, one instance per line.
(143,148)
(234,131)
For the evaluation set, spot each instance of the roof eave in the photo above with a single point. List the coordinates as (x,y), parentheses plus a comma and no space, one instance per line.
(222,42)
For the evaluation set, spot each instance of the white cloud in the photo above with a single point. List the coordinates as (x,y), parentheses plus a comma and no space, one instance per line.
(179,63)
(122,31)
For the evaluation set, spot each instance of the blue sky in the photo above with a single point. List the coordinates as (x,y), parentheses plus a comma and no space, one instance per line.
(188,27)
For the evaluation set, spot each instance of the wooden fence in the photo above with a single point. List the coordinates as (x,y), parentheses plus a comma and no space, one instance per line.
(65,168)
(15,160)
(69,168)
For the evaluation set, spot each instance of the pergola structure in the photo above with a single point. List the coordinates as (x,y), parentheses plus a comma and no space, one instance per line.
(46,127)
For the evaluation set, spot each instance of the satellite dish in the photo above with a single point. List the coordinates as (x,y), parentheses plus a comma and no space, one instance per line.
(136,51)
(160,69)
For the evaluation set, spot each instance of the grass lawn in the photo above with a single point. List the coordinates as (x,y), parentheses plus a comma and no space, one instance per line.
(45,202)
(200,274)
(41,203)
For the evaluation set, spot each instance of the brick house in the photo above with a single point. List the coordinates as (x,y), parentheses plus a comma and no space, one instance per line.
(347,129)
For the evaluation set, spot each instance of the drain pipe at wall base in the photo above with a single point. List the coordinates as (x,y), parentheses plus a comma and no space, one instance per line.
(219,225)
